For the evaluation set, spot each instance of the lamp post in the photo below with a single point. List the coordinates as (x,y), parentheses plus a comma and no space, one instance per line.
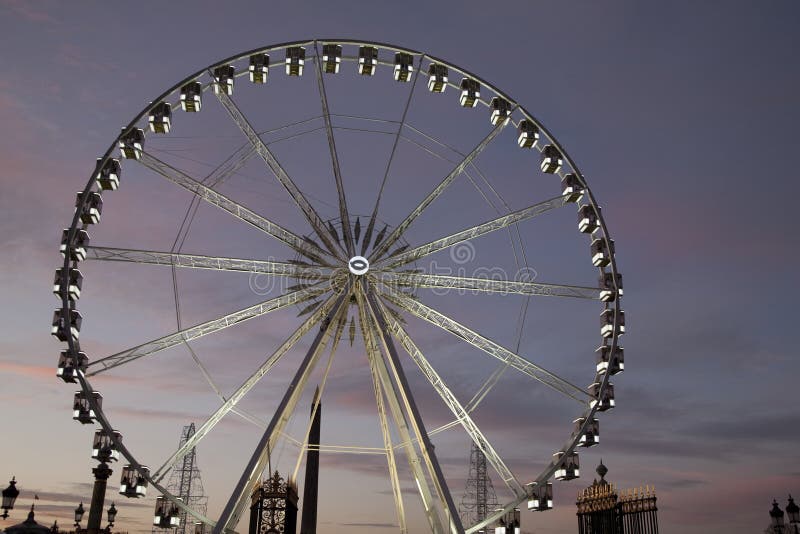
(112,515)
(793,511)
(101,474)
(10,495)
(776,514)
(104,450)
(78,517)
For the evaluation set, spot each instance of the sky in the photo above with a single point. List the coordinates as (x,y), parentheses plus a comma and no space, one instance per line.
(681,115)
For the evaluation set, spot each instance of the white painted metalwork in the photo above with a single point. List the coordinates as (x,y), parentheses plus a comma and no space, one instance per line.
(373,354)
(483,285)
(450,400)
(488,346)
(203,329)
(234,208)
(344,214)
(364,273)
(285,180)
(251,476)
(433,195)
(471,233)
(248,384)
(214,263)
(401,393)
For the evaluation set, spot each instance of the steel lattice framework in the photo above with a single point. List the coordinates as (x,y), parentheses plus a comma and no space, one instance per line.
(343,269)
(479,498)
(185,482)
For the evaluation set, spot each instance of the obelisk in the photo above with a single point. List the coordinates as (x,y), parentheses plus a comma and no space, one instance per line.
(308,524)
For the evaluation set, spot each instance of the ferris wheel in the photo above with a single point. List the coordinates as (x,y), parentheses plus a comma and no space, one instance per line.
(357,249)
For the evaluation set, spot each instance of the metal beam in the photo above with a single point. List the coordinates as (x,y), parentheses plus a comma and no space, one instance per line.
(209,327)
(453,404)
(195,261)
(234,208)
(247,385)
(471,233)
(344,215)
(285,180)
(374,216)
(484,285)
(433,195)
(393,395)
(490,347)
(419,426)
(372,355)
(305,446)
(260,458)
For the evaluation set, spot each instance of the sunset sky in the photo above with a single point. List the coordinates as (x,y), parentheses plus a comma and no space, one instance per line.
(682,116)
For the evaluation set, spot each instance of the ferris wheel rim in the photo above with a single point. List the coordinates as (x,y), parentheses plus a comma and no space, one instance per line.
(68,305)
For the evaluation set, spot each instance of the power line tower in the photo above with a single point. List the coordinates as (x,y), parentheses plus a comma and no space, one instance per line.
(479,497)
(185,483)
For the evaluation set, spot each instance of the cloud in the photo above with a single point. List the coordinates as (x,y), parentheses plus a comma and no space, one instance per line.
(684,483)
(29,371)
(28,11)
(371,465)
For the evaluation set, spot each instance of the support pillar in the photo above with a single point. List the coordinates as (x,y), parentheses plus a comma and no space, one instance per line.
(101,474)
(308,524)
(426,446)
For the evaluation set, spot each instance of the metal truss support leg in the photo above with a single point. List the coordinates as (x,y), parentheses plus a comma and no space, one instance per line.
(258,462)
(381,377)
(427,447)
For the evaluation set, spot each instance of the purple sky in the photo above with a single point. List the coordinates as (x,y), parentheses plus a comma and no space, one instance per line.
(682,117)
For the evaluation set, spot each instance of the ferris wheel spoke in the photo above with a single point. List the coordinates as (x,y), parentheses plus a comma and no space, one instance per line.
(230,166)
(304,446)
(195,261)
(382,333)
(344,215)
(209,327)
(211,196)
(260,458)
(382,383)
(231,402)
(436,193)
(476,231)
(450,400)
(373,217)
(277,169)
(247,416)
(485,285)
(489,347)
(391,462)
(210,381)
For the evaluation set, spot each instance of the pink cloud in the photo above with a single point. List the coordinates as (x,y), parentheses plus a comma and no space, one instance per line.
(28,11)
(29,371)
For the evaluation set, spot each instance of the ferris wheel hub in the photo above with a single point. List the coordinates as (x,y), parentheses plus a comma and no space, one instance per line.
(358,265)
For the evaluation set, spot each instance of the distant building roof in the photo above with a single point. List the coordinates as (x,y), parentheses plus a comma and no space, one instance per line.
(29,526)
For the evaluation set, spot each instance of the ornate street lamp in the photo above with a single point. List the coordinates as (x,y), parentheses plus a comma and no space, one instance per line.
(112,515)
(10,495)
(78,516)
(777,518)
(793,511)
(104,450)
